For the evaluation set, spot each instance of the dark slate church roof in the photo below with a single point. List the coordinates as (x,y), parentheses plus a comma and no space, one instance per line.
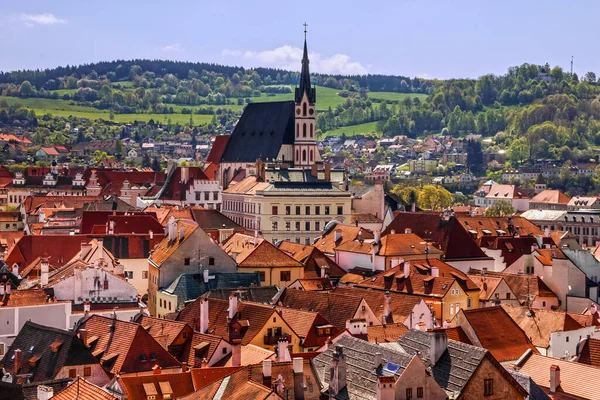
(260,132)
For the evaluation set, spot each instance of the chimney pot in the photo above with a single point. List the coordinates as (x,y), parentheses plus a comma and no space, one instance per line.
(406,269)
(83,336)
(266,367)
(298,365)
(435,272)
(17,362)
(44,392)
(554,378)
(438,345)
(407,231)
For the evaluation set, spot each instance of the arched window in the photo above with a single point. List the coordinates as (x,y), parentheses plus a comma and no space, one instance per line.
(311,130)
(303,130)
(297,156)
(297,130)
(303,155)
(304,109)
(311,156)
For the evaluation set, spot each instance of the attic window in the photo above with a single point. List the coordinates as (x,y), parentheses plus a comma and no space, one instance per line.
(486,232)
(143,358)
(152,357)
(444,286)
(500,232)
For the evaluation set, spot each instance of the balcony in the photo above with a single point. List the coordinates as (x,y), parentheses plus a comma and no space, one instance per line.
(270,340)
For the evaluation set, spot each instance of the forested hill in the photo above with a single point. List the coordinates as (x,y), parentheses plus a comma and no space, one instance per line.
(120,70)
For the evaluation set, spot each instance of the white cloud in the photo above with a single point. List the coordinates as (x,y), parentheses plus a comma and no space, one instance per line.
(31,20)
(173,47)
(289,57)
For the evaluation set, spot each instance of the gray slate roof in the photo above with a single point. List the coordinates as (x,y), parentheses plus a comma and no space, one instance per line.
(535,392)
(261,131)
(191,286)
(361,375)
(256,294)
(454,368)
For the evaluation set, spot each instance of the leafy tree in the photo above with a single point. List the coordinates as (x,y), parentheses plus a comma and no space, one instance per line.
(156,165)
(432,197)
(98,156)
(518,151)
(26,89)
(500,208)
(590,77)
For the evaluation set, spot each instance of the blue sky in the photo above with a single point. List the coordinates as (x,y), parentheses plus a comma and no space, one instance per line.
(424,38)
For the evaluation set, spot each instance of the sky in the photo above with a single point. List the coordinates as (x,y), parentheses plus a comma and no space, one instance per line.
(429,39)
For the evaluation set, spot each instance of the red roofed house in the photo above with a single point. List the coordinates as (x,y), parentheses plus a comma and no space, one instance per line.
(493,329)
(47,154)
(491,192)
(190,186)
(444,232)
(129,236)
(124,347)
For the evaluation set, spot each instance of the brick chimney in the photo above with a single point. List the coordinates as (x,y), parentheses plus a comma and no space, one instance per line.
(298,365)
(387,306)
(337,371)
(236,354)
(554,378)
(266,371)
(437,346)
(406,269)
(184,367)
(386,388)
(337,235)
(203,315)
(83,335)
(156,370)
(17,361)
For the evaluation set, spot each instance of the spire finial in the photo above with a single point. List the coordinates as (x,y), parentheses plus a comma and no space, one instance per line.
(305,25)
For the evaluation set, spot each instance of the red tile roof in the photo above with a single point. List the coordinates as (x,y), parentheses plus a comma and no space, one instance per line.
(166,247)
(447,235)
(304,324)
(336,308)
(385,333)
(236,386)
(490,226)
(50,151)
(125,346)
(81,389)
(125,223)
(204,376)
(207,350)
(263,255)
(313,259)
(522,285)
(327,243)
(217,149)
(60,249)
(164,331)
(589,352)
(139,386)
(551,197)
(497,332)
(252,316)
(420,280)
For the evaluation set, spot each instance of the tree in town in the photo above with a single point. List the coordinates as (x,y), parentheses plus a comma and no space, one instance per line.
(500,208)
(432,197)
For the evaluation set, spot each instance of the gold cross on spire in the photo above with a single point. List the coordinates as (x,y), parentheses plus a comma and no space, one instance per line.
(305,25)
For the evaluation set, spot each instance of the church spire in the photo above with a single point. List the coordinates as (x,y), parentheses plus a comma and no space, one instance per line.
(305,86)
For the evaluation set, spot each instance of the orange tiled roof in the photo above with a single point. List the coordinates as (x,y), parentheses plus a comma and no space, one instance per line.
(304,324)
(137,386)
(589,353)
(166,330)
(125,346)
(238,242)
(238,386)
(497,332)
(493,224)
(167,247)
(522,285)
(255,314)
(327,242)
(250,354)
(81,389)
(385,333)
(265,254)
(405,244)
(336,308)
(204,376)
(576,379)
(486,284)
(209,346)
(420,280)
(551,197)
(313,259)
(401,304)
(538,324)
(545,256)
(24,298)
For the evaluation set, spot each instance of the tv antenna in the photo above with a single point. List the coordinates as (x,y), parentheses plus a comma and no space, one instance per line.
(571,65)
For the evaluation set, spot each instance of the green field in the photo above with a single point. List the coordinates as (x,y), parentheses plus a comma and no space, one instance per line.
(62,108)
(352,130)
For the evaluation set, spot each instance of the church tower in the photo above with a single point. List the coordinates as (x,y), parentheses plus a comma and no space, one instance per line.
(306,152)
